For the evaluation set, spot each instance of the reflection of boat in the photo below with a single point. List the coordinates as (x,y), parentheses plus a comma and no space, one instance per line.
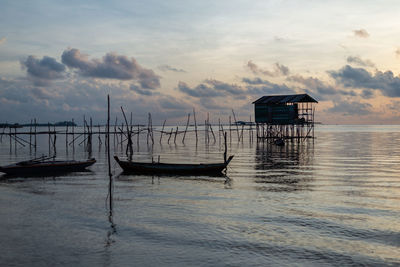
(279,142)
(46,166)
(172,168)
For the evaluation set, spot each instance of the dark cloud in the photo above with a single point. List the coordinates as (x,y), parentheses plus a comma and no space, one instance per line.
(221,86)
(279,69)
(270,89)
(360,62)
(211,88)
(259,86)
(255,81)
(367,93)
(111,66)
(200,90)
(362,33)
(350,108)
(140,91)
(42,71)
(318,88)
(386,82)
(58,103)
(169,68)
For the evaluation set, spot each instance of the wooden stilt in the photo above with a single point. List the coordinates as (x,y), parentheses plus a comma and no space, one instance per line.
(187,125)
(195,124)
(162,131)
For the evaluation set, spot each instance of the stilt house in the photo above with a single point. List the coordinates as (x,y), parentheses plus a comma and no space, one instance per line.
(285,114)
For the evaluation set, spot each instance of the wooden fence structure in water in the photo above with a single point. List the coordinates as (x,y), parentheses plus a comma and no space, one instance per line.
(126,132)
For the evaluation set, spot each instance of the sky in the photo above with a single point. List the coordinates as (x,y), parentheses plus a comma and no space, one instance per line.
(60,59)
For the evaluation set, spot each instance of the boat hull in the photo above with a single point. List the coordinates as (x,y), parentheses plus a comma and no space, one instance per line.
(171,169)
(47,167)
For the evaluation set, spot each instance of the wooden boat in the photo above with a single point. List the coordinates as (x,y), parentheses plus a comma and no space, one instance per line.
(172,168)
(45,166)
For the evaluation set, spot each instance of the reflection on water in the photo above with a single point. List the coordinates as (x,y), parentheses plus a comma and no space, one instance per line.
(289,166)
(335,201)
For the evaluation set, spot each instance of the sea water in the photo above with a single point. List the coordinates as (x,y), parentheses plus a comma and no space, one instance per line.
(334,200)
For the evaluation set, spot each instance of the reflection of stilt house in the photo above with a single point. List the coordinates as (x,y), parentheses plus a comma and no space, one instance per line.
(285,116)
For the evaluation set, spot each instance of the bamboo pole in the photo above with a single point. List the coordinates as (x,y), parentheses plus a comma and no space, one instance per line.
(212,132)
(84,131)
(48,128)
(129,148)
(230,129)
(187,125)
(195,124)
(30,135)
(226,147)
(162,131)
(170,134)
(219,131)
(66,136)
(73,134)
(137,139)
(237,127)
(10,141)
(35,133)
(205,132)
(175,134)
(108,156)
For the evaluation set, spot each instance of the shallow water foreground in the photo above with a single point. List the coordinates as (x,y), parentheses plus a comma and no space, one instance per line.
(332,202)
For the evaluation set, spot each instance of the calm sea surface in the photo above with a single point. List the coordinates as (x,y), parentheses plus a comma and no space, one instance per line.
(332,202)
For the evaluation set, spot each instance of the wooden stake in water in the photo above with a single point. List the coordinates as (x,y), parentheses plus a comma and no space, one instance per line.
(195,124)
(108,156)
(30,135)
(175,134)
(187,125)
(162,131)
(170,134)
(237,127)
(226,147)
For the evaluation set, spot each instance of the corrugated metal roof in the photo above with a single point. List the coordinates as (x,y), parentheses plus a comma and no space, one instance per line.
(282,99)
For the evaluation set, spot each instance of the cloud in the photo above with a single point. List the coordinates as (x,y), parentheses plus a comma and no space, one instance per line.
(255,81)
(3,40)
(171,103)
(42,71)
(169,68)
(270,89)
(222,86)
(394,106)
(279,69)
(210,104)
(201,90)
(367,93)
(211,88)
(140,91)
(319,88)
(361,33)
(83,97)
(350,108)
(386,82)
(258,86)
(111,66)
(360,62)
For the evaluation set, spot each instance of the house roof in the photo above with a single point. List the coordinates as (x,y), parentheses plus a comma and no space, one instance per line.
(282,99)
